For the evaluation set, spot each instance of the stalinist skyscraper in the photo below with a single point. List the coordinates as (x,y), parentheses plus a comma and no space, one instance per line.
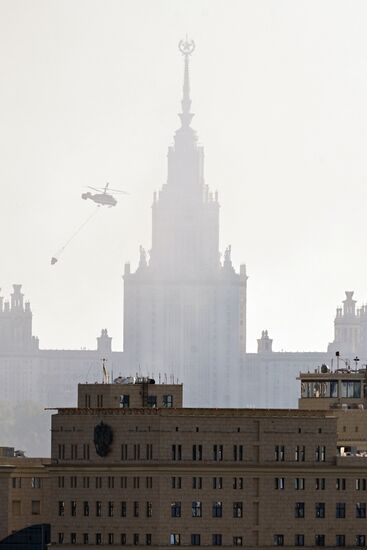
(184,308)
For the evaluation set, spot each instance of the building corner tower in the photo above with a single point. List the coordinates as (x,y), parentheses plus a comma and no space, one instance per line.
(184,309)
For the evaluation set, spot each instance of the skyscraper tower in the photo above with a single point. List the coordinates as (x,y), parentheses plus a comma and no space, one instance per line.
(185,310)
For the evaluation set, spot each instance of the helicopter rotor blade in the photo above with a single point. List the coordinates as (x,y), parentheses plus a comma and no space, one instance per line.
(119,191)
(95,188)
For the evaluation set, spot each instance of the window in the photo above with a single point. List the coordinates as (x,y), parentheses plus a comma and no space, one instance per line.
(124,451)
(111,538)
(124,401)
(61,538)
(123,482)
(340,510)
(279,483)
(320,484)
(152,401)
(61,451)
(360,484)
(175,539)
(99,401)
(196,509)
(123,509)
(350,389)
(176,482)
(237,483)
(110,509)
(320,453)
(123,539)
(98,508)
(319,540)
(149,509)
(217,482)
(87,401)
(299,483)
(85,538)
(86,453)
(340,484)
(72,538)
(237,541)
(61,508)
(98,483)
(217,509)
(237,509)
(278,540)
(111,482)
(218,452)
(237,452)
(340,540)
(175,509)
(168,401)
(197,482)
(98,538)
(61,482)
(85,482)
(217,540)
(73,482)
(136,509)
(300,453)
(279,453)
(299,510)
(16,508)
(36,507)
(36,483)
(136,539)
(197,452)
(149,482)
(136,452)
(299,540)
(149,451)
(148,539)
(74,451)
(176,452)
(73,507)
(86,508)
(136,482)
(320,510)
(360,540)
(195,540)
(360,510)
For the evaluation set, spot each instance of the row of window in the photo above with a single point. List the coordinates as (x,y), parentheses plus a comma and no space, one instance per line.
(110,510)
(121,509)
(19,508)
(299,453)
(145,452)
(320,540)
(99,482)
(320,510)
(196,482)
(34,482)
(175,539)
(151,401)
(216,509)
(319,483)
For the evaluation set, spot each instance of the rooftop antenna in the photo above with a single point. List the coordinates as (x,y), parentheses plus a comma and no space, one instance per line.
(159,377)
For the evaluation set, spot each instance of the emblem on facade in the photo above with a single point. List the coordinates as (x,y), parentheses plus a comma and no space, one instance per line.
(103,437)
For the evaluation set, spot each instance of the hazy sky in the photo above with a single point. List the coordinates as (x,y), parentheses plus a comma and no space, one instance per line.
(89,93)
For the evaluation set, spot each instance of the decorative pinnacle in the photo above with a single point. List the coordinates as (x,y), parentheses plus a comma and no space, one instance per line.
(186,47)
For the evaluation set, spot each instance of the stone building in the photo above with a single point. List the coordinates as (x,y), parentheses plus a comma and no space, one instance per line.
(184,309)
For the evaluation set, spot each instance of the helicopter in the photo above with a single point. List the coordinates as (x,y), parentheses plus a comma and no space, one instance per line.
(102,198)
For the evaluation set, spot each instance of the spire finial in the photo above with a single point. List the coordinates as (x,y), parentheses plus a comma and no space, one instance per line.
(186,47)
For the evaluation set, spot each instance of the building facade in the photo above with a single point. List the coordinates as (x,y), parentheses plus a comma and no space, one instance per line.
(184,309)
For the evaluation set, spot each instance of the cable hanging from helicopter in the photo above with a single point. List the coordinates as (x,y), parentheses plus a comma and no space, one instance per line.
(101,198)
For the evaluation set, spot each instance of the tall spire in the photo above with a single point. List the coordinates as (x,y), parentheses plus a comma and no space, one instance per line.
(186,47)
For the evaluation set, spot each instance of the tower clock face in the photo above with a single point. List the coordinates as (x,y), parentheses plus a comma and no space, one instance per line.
(103,438)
